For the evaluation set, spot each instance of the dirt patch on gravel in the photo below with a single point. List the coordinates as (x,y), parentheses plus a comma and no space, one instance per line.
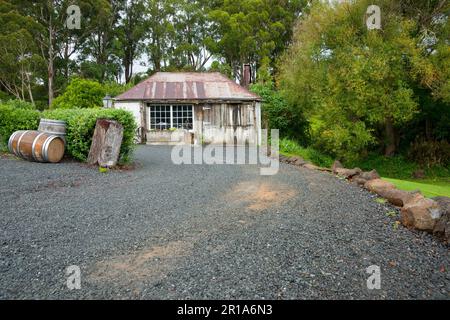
(258,196)
(146,264)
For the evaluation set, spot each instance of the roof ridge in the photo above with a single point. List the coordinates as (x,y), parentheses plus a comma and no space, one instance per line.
(202,89)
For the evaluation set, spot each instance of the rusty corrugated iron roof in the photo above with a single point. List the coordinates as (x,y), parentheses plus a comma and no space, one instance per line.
(190,86)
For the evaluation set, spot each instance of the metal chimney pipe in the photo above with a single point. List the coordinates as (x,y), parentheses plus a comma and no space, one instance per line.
(246,78)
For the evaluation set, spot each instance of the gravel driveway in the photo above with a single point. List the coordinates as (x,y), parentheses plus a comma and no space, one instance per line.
(164,231)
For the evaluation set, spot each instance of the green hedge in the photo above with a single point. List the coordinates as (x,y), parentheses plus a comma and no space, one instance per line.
(80,93)
(16,116)
(81,125)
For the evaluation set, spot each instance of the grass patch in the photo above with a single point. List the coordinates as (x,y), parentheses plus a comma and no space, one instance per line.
(399,171)
(391,214)
(398,167)
(291,148)
(103,170)
(429,188)
(396,170)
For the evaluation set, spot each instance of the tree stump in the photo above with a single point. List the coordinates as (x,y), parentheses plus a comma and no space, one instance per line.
(106,142)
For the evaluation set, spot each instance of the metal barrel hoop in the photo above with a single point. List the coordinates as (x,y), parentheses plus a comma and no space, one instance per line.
(33,146)
(10,142)
(45,147)
(19,153)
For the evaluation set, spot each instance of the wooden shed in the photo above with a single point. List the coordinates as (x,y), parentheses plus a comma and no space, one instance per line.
(193,107)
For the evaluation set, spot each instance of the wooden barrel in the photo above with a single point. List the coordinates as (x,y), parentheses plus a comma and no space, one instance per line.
(37,146)
(55,127)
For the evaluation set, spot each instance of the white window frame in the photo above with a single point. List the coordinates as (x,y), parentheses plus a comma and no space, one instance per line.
(149,106)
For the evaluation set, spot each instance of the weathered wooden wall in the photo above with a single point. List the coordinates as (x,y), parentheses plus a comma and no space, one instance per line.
(227,123)
(230,123)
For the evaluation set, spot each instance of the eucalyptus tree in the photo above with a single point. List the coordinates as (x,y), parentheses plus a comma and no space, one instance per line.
(98,56)
(57,44)
(193,37)
(50,15)
(131,32)
(253,31)
(20,61)
(160,32)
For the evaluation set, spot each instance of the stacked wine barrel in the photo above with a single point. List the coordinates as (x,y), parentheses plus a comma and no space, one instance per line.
(43,145)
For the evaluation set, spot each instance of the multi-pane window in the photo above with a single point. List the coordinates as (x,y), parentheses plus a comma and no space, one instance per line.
(160,117)
(163,117)
(182,117)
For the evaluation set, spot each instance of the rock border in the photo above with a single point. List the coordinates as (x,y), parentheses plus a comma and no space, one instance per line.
(417,212)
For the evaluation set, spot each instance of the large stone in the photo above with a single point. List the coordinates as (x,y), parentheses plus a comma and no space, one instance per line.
(290,159)
(286,159)
(298,161)
(359,181)
(444,203)
(421,213)
(348,173)
(311,166)
(397,197)
(283,158)
(336,165)
(323,169)
(442,227)
(371,175)
(378,186)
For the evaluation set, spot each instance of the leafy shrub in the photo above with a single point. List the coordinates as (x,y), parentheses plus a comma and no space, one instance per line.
(340,138)
(279,113)
(290,147)
(5,96)
(19,104)
(80,93)
(430,153)
(81,125)
(114,88)
(223,68)
(16,115)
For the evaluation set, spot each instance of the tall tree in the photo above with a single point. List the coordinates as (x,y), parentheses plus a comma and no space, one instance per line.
(351,82)
(432,83)
(131,32)
(20,62)
(98,55)
(54,39)
(160,32)
(251,30)
(193,35)
(51,16)
(71,41)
